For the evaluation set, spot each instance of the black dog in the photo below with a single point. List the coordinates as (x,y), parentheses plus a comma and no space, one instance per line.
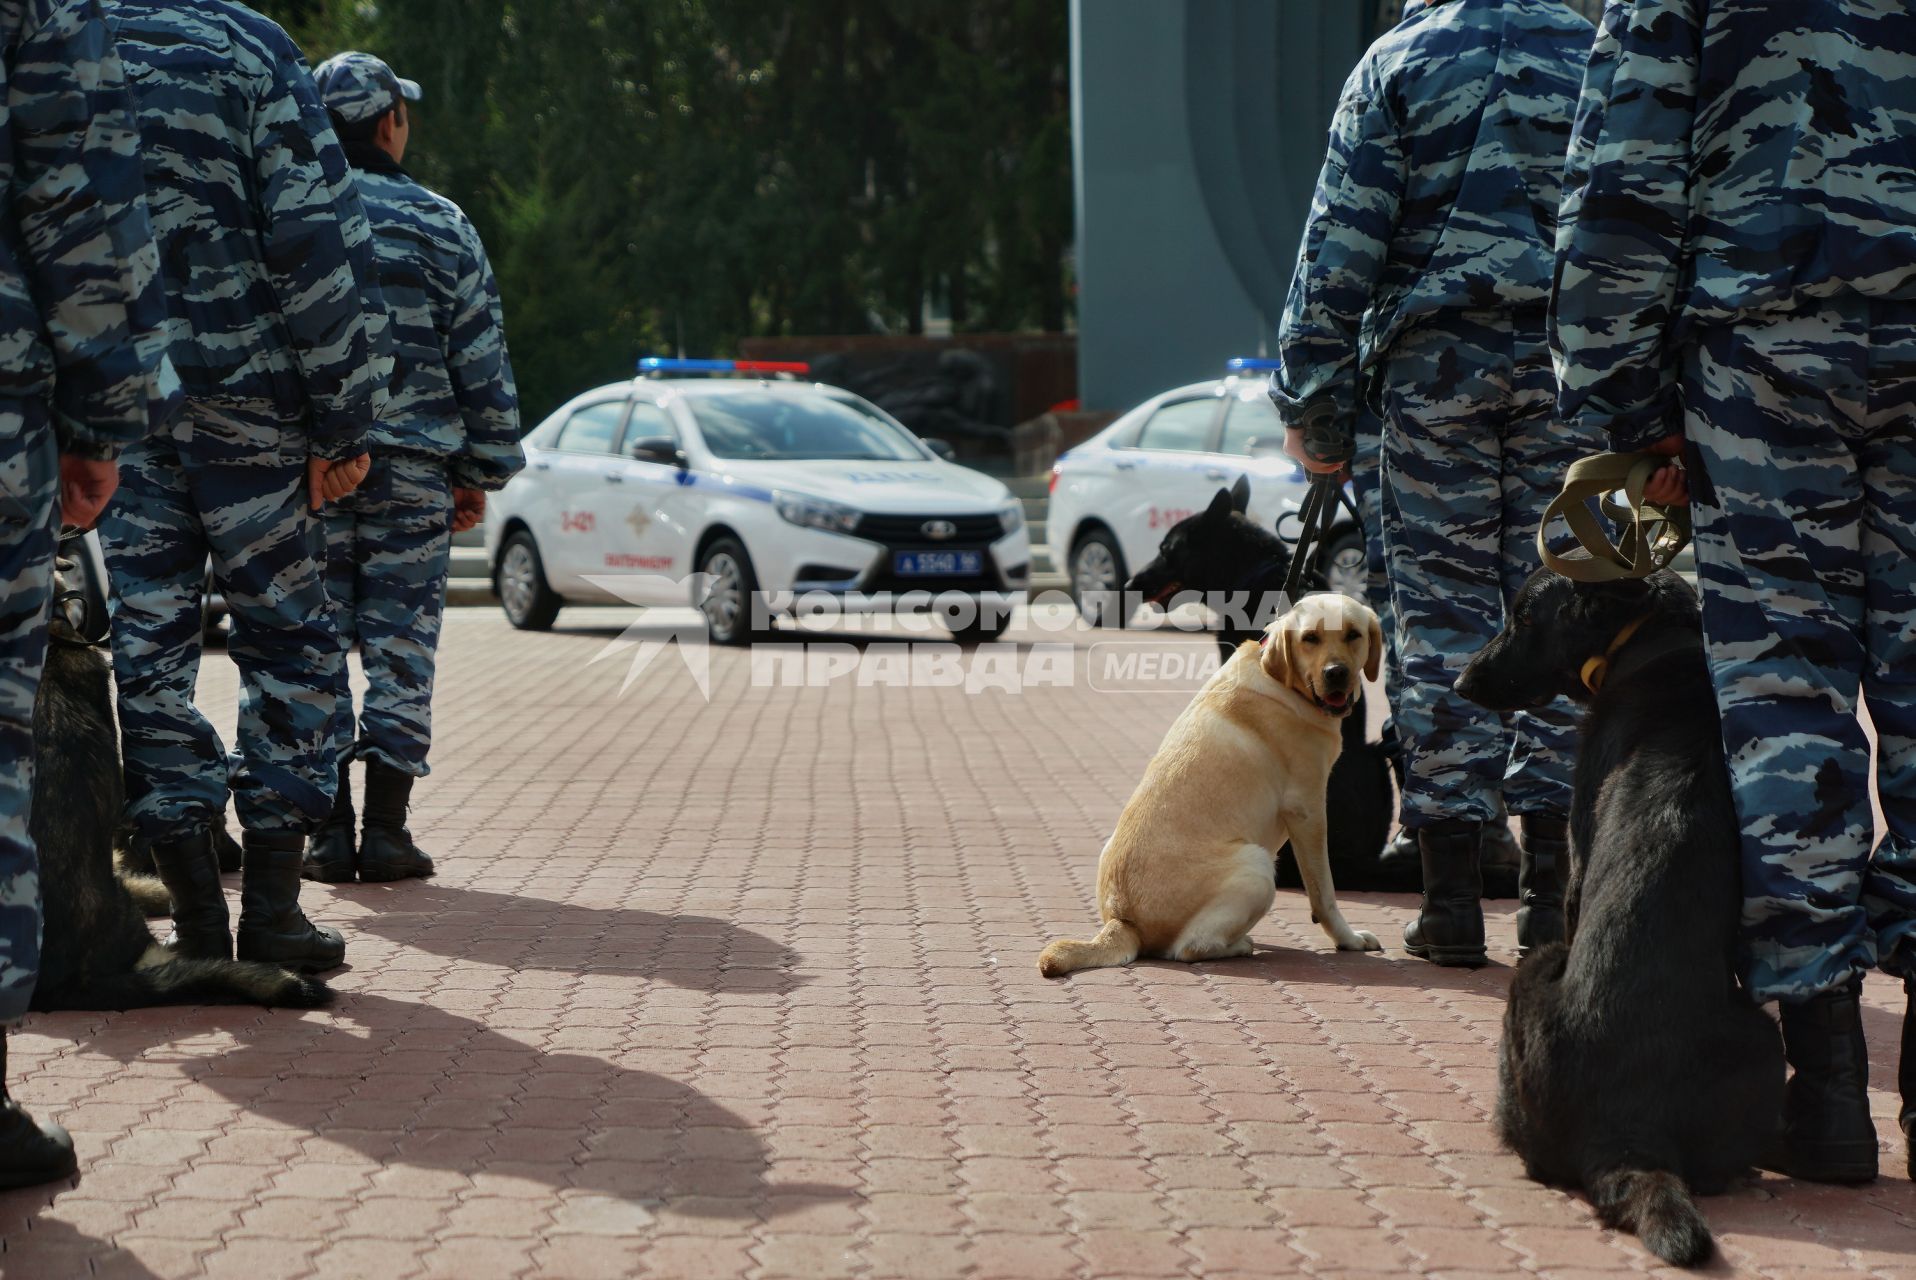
(1221,550)
(97,952)
(1632,1065)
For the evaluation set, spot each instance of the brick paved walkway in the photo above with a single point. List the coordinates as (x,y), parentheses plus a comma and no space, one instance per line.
(748,989)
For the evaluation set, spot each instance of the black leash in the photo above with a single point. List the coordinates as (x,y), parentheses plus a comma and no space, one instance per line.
(93,627)
(1321,505)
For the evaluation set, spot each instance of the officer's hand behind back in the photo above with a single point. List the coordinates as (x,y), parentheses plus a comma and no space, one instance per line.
(468,508)
(1670,486)
(329,481)
(86,486)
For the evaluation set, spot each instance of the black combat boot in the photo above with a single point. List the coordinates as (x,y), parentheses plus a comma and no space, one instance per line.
(30,1153)
(190,870)
(1546,858)
(1827,1132)
(1906,1075)
(386,850)
(272,928)
(332,851)
(1400,860)
(1450,928)
(227,848)
(1501,859)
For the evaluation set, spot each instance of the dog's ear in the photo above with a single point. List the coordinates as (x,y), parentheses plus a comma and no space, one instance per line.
(1374,654)
(1276,655)
(1220,508)
(1241,495)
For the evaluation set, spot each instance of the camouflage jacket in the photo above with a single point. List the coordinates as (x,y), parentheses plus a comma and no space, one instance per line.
(1731,156)
(267,257)
(452,390)
(80,303)
(1439,194)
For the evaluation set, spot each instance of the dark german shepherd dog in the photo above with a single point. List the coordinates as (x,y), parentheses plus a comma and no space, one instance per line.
(1632,1064)
(97,952)
(1222,550)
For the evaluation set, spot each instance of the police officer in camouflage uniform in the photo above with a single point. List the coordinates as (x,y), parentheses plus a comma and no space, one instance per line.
(79,372)
(1500,856)
(1427,264)
(449,435)
(1740,271)
(281,342)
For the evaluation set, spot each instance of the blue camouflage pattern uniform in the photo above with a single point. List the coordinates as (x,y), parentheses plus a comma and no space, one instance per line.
(1427,264)
(1740,265)
(1367,487)
(452,422)
(281,343)
(79,369)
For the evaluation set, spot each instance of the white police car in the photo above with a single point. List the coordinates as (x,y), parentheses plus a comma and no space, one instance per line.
(1114,496)
(756,490)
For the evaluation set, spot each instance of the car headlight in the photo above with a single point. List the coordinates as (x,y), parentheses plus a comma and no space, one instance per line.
(816,513)
(1012,517)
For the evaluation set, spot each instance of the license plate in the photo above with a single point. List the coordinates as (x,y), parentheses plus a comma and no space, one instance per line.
(937,564)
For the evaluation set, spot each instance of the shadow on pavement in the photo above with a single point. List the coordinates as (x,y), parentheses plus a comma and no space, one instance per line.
(406,1084)
(34,1245)
(699,953)
(1390,969)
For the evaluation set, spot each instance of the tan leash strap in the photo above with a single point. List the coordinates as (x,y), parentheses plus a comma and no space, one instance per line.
(1650,538)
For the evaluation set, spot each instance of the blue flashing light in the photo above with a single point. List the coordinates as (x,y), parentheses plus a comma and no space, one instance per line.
(1253,364)
(664,364)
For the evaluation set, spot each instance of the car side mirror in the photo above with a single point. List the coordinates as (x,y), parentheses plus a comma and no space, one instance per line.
(940,447)
(662,449)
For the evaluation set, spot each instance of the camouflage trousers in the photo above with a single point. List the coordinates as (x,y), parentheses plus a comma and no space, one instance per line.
(230,486)
(1367,484)
(389,549)
(1803,448)
(1472,455)
(29,534)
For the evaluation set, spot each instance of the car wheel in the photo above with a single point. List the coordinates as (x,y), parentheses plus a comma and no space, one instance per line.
(530,604)
(1347,565)
(728,592)
(1097,579)
(974,621)
(981,632)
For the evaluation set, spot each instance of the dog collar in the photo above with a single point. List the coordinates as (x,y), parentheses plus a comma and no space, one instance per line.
(1596,669)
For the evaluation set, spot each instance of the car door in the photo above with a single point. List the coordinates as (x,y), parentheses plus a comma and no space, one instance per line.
(644,502)
(581,459)
(1252,444)
(1168,472)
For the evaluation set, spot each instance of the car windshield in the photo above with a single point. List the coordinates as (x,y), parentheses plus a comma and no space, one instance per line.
(765,426)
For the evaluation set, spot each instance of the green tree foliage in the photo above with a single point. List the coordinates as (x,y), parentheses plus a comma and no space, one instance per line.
(651,173)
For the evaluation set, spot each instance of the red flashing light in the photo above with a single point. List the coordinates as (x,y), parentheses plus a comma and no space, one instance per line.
(771,366)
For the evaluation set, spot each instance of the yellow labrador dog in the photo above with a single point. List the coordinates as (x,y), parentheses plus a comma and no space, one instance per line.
(1189,870)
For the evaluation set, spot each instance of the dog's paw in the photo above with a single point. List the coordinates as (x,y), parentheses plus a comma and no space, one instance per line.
(1361,940)
(1051,964)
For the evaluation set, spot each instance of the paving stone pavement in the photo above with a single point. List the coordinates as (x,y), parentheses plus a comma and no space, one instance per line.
(748,989)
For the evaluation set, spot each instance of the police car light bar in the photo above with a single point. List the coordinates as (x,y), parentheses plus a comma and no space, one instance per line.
(1253,364)
(663,364)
